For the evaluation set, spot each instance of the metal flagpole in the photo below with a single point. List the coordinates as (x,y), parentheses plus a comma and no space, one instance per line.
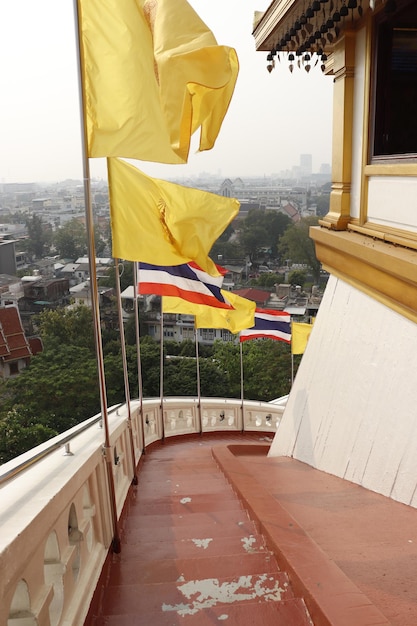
(200,423)
(292,369)
(139,362)
(125,374)
(161,373)
(241,386)
(94,297)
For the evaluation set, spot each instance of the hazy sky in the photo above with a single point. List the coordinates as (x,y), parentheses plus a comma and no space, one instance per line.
(272,119)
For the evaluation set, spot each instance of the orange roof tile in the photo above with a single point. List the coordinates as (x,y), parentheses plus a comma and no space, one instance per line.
(13,342)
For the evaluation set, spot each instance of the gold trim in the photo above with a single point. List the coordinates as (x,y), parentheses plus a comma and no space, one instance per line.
(369,232)
(407,239)
(384,271)
(366,128)
(343,68)
(391,169)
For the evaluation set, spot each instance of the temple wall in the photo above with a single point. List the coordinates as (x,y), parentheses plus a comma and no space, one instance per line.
(352,409)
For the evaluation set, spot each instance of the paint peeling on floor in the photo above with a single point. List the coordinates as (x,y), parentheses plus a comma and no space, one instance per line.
(185,500)
(202,543)
(204,594)
(249,544)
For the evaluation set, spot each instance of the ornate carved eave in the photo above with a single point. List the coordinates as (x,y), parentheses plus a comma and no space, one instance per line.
(296,30)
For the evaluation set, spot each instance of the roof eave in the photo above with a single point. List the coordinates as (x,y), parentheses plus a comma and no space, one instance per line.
(264,32)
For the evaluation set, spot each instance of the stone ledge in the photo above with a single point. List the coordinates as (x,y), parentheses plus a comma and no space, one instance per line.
(331,597)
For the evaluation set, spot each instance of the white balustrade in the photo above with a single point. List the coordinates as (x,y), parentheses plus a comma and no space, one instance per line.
(55,515)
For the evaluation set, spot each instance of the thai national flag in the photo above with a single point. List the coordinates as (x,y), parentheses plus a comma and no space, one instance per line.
(269,324)
(187,281)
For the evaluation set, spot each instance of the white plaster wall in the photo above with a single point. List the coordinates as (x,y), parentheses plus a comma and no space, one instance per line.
(392,201)
(352,410)
(358,122)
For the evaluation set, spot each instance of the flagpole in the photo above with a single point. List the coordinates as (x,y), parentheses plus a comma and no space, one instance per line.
(94,294)
(198,379)
(138,355)
(125,373)
(241,386)
(161,373)
(292,369)
(292,354)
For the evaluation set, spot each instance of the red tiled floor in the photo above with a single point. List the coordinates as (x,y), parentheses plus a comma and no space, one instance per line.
(190,554)
(349,553)
(354,548)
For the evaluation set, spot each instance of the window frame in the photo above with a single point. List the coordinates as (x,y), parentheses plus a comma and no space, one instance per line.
(383,28)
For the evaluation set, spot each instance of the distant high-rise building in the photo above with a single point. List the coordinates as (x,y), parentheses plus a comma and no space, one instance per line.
(306,165)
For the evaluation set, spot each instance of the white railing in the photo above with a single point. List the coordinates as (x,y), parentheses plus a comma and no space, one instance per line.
(55,517)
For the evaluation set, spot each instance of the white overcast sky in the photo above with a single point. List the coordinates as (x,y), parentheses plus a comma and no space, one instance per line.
(272,119)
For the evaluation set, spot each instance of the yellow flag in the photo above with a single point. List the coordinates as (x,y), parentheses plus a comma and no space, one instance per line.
(162,223)
(240,317)
(152,75)
(299,337)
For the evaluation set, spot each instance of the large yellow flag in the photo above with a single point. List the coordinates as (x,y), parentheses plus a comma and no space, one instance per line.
(299,337)
(162,223)
(152,75)
(240,317)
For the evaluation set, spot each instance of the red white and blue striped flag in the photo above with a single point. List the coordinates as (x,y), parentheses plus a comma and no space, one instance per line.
(269,324)
(187,281)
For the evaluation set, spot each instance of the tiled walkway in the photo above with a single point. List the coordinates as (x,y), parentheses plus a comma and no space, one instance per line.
(190,554)
(196,551)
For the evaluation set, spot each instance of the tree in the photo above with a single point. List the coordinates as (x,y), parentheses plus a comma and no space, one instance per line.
(227,358)
(67,327)
(297,277)
(266,369)
(227,252)
(59,389)
(38,237)
(125,274)
(262,230)
(297,245)
(322,203)
(268,280)
(150,363)
(19,432)
(71,240)
(180,377)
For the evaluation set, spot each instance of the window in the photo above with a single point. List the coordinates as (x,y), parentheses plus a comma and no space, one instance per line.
(14,369)
(395,93)
(227,335)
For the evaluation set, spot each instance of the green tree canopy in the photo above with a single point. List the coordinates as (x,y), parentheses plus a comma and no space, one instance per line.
(19,431)
(297,245)
(39,237)
(59,389)
(71,240)
(266,368)
(67,327)
(262,230)
(125,276)
(297,277)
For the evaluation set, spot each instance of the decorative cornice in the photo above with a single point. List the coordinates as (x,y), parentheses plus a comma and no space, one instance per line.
(384,271)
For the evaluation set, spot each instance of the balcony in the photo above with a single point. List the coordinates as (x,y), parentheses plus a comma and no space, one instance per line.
(214,530)
(56,518)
